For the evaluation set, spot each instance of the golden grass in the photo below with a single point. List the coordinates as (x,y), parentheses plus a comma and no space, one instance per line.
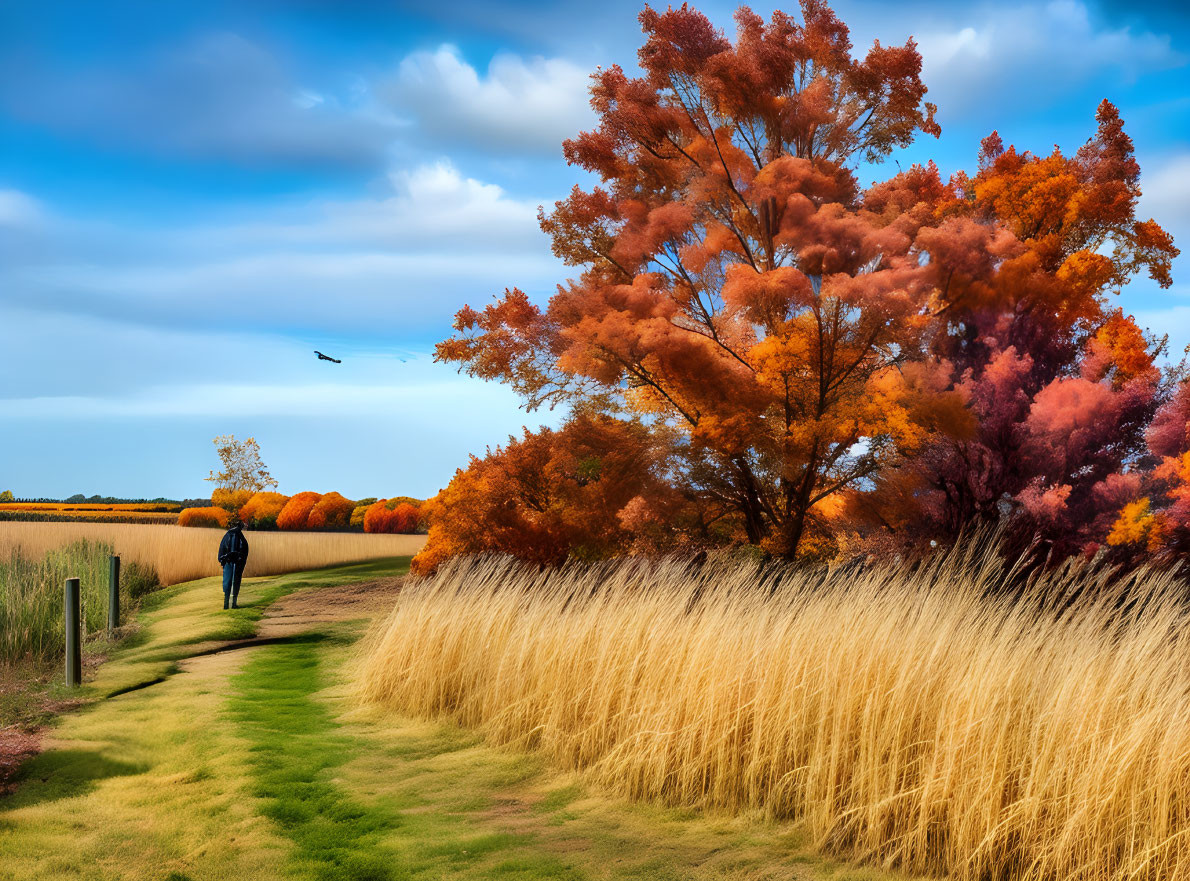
(179,554)
(918,720)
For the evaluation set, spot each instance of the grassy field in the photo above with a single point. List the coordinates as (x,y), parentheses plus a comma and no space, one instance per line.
(32,599)
(52,516)
(258,764)
(85,507)
(90,512)
(922,721)
(179,554)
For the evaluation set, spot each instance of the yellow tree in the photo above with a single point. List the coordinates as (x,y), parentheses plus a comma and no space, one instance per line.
(243,473)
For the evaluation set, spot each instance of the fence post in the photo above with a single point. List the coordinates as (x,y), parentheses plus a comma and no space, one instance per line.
(113,596)
(74,655)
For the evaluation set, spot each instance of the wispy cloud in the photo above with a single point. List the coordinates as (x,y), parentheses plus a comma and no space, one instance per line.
(993,56)
(217,96)
(397,264)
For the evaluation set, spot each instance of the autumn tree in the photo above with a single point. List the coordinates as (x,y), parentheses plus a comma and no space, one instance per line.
(732,287)
(398,515)
(1027,254)
(331,511)
(1152,513)
(586,490)
(296,512)
(262,510)
(242,466)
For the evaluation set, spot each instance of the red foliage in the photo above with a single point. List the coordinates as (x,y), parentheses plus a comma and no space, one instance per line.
(820,366)
(734,288)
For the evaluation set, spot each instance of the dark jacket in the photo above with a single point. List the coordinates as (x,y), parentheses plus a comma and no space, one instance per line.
(234,547)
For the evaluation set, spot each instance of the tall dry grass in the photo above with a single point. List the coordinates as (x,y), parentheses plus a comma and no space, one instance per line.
(32,613)
(181,554)
(919,720)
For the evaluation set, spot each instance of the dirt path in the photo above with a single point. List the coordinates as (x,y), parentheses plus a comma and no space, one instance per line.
(307,609)
(290,615)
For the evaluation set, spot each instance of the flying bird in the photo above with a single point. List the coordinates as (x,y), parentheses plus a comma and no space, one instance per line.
(322,357)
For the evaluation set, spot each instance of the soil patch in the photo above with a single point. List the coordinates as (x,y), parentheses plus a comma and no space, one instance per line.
(306,609)
(29,699)
(16,745)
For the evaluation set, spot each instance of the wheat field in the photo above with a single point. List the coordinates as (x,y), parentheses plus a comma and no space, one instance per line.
(179,553)
(923,721)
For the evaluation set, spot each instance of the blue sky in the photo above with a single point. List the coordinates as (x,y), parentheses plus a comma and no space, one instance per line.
(193,197)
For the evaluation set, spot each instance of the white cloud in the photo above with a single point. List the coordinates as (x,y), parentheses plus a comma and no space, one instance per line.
(222,96)
(519,105)
(398,264)
(1013,51)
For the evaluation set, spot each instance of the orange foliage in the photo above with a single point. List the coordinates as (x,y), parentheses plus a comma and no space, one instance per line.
(297,510)
(821,365)
(589,490)
(394,516)
(1068,207)
(733,286)
(230,500)
(204,517)
(262,509)
(1136,525)
(331,511)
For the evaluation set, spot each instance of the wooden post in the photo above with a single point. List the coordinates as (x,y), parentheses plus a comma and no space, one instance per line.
(74,647)
(113,596)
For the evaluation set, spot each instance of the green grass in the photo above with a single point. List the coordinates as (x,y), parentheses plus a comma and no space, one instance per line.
(296,748)
(256,764)
(32,628)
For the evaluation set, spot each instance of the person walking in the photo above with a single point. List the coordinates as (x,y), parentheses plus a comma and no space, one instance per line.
(233,556)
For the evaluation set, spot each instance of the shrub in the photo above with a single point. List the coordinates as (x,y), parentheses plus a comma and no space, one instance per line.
(261,511)
(592,489)
(204,517)
(296,511)
(395,516)
(405,518)
(332,511)
(230,500)
(139,578)
(31,596)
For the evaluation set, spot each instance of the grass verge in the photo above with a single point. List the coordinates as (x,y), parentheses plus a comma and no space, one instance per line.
(296,749)
(255,764)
